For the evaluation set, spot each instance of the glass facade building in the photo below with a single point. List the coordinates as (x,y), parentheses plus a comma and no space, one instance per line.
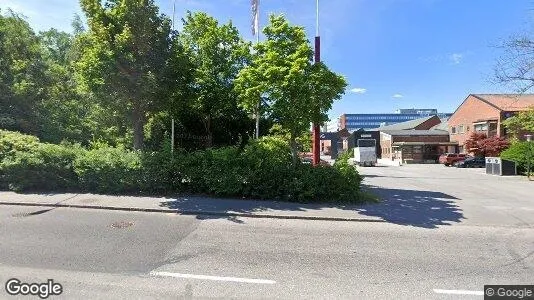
(354,122)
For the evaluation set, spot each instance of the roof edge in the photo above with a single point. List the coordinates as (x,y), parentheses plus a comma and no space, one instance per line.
(478,96)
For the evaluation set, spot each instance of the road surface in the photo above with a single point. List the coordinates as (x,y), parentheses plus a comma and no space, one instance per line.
(439,242)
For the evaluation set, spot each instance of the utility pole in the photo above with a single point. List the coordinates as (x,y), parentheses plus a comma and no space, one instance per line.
(316,128)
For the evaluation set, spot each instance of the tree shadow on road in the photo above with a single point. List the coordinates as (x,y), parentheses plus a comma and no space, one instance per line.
(425,209)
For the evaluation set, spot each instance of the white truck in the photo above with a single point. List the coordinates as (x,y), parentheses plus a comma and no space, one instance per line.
(365,152)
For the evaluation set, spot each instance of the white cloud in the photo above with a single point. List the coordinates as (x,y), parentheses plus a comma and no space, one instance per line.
(397,96)
(359,90)
(456,58)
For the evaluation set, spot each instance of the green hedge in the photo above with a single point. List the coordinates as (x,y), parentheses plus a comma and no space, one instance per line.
(109,170)
(10,144)
(46,167)
(13,142)
(519,153)
(262,169)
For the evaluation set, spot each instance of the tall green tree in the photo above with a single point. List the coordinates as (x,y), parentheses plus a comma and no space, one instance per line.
(523,122)
(67,112)
(299,91)
(21,74)
(216,53)
(128,45)
(61,110)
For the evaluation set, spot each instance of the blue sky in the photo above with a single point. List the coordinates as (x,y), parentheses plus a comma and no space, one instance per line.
(394,53)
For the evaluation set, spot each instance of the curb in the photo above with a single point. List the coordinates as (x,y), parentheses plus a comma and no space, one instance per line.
(194,212)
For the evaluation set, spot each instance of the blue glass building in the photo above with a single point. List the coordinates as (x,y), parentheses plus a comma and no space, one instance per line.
(354,122)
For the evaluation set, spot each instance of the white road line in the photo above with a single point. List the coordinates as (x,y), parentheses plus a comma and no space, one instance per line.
(459,292)
(215,278)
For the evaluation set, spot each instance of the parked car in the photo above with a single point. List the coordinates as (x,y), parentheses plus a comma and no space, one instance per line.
(472,162)
(307,158)
(450,158)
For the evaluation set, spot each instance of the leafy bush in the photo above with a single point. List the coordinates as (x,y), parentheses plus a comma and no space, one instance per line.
(12,142)
(268,168)
(343,159)
(46,166)
(224,171)
(263,169)
(161,172)
(519,153)
(109,170)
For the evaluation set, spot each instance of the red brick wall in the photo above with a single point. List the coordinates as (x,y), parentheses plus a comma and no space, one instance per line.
(469,112)
(427,138)
(428,123)
(386,148)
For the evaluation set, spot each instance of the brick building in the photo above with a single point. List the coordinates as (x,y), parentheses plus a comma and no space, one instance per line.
(417,141)
(485,113)
(415,146)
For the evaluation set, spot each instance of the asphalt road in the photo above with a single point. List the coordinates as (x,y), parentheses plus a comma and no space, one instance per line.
(448,232)
(100,254)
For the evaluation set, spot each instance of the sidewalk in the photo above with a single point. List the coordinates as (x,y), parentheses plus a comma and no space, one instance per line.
(193,206)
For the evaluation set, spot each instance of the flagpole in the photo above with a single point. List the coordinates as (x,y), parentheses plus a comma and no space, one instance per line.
(316,128)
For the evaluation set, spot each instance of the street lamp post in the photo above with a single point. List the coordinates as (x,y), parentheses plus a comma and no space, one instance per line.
(529,153)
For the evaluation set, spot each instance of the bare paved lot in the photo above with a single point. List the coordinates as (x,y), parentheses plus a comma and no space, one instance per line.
(433,195)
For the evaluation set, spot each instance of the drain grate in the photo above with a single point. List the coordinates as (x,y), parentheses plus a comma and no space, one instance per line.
(121,224)
(28,214)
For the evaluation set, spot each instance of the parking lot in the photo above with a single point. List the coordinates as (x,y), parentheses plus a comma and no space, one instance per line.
(435,195)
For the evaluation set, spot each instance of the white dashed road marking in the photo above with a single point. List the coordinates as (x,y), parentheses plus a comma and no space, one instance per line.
(459,292)
(214,278)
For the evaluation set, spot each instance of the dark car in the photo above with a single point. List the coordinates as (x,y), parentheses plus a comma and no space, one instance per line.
(472,162)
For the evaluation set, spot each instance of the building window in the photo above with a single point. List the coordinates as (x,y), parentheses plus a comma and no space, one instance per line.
(453,130)
(481,127)
(461,129)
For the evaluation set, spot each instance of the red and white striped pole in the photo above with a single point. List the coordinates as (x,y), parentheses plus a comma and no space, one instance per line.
(316,126)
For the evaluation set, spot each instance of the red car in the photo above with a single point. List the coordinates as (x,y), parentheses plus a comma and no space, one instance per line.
(449,159)
(307,158)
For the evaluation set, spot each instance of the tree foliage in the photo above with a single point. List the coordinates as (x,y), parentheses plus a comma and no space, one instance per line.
(215,55)
(299,91)
(22,74)
(480,145)
(521,123)
(522,153)
(473,143)
(122,77)
(127,48)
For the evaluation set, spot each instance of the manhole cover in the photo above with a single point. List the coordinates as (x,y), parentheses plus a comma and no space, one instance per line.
(121,224)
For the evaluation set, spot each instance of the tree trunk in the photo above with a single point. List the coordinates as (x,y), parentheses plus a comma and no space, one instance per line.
(258,119)
(294,149)
(209,141)
(138,120)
